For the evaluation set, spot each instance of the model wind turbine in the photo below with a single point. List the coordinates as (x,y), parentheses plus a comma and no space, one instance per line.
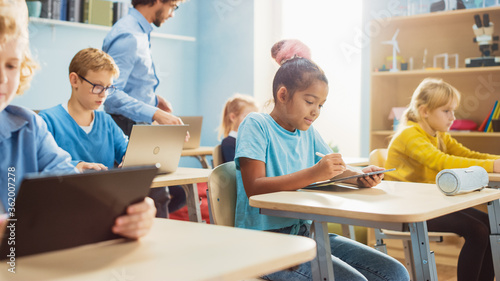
(395,49)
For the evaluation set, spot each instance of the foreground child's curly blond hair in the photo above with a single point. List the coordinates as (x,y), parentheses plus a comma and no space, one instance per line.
(14,25)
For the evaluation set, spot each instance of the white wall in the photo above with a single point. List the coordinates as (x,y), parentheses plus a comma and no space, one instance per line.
(328,28)
(267,31)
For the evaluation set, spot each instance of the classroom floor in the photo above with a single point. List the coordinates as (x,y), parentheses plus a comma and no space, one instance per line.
(446,254)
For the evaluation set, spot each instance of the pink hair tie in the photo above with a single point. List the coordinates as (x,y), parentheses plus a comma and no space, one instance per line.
(293,57)
(289,49)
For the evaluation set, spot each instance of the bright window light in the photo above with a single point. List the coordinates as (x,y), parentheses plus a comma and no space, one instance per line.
(332,29)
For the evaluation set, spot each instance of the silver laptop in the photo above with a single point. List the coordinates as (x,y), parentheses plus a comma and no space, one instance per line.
(194,123)
(159,145)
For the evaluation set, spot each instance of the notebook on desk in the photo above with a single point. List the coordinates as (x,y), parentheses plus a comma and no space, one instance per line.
(158,145)
(59,212)
(194,123)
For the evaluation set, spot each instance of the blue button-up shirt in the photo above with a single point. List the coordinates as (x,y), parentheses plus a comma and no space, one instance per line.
(128,43)
(26,146)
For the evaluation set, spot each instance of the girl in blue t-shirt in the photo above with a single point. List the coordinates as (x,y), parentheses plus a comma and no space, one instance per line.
(276,152)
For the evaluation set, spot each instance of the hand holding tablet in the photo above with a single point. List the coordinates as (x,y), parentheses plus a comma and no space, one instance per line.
(346,178)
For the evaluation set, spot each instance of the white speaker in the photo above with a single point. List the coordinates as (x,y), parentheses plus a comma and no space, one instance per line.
(455,181)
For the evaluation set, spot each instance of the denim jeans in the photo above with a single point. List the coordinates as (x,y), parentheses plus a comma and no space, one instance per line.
(351,261)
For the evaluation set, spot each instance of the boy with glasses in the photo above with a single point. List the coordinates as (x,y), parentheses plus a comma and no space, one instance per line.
(91,137)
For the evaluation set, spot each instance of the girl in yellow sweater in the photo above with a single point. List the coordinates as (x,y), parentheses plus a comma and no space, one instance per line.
(421,148)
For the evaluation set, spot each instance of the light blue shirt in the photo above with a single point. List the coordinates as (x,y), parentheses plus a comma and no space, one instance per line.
(284,152)
(104,144)
(27,147)
(128,43)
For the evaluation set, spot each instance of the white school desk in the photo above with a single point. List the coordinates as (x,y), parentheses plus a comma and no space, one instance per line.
(173,250)
(200,153)
(390,205)
(188,179)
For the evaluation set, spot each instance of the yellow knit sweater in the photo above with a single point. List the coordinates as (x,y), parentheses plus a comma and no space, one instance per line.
(418,156)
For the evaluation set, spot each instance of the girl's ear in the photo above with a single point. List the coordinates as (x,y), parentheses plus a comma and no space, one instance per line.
(232,117)
(423,111)
(282,95)
(73,79)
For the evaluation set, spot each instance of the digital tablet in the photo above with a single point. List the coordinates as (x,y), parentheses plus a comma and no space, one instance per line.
(59,212)
(348,178)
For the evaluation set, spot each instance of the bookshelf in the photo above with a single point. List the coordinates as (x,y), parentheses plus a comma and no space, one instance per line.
(441,32)
(54,23)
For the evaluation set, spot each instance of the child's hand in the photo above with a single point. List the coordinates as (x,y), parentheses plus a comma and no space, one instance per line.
(496,166)
(138,220)
(330,166)
(370,181)
(83,166)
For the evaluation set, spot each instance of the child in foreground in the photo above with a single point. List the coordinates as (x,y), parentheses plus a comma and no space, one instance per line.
(235,110)
(26,146)
(276,152)
(421,148)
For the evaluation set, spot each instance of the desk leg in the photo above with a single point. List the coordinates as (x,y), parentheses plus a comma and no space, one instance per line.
(321,266)
(192,202)
(425,265)
(204,162)
(348,231)
(494,215)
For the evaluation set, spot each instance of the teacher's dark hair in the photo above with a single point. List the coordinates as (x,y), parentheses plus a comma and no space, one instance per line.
(151,2)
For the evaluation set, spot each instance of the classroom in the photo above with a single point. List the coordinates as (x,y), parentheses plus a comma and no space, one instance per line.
(397,179)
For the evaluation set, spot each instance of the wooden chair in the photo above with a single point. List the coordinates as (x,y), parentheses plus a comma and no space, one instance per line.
(377,157)
(217,156)
(222,196)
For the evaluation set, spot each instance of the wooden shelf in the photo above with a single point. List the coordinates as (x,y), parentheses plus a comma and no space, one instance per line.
(440,72)
(54,23)
(453,133)
(442,16)
(441,32)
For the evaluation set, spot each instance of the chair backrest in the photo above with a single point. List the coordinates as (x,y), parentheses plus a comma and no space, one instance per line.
(378,157)
(217,156)
(222,194)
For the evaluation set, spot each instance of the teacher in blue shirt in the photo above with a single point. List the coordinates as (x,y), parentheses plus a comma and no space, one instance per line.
(135,100)
(129,44)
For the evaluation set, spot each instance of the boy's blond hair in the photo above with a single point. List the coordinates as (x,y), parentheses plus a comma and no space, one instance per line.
(236,104)
(14,25)
(95,60)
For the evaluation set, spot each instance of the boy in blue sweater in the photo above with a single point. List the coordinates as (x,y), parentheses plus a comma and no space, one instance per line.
(91,137)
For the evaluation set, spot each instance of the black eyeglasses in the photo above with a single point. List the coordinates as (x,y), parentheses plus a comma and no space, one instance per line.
(98,89)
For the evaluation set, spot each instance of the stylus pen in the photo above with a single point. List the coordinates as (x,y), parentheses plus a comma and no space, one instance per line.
(320,154)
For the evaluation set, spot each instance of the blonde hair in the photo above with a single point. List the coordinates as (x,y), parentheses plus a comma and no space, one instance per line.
(14,25)
(431,93)
(93,59)
(236,104)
